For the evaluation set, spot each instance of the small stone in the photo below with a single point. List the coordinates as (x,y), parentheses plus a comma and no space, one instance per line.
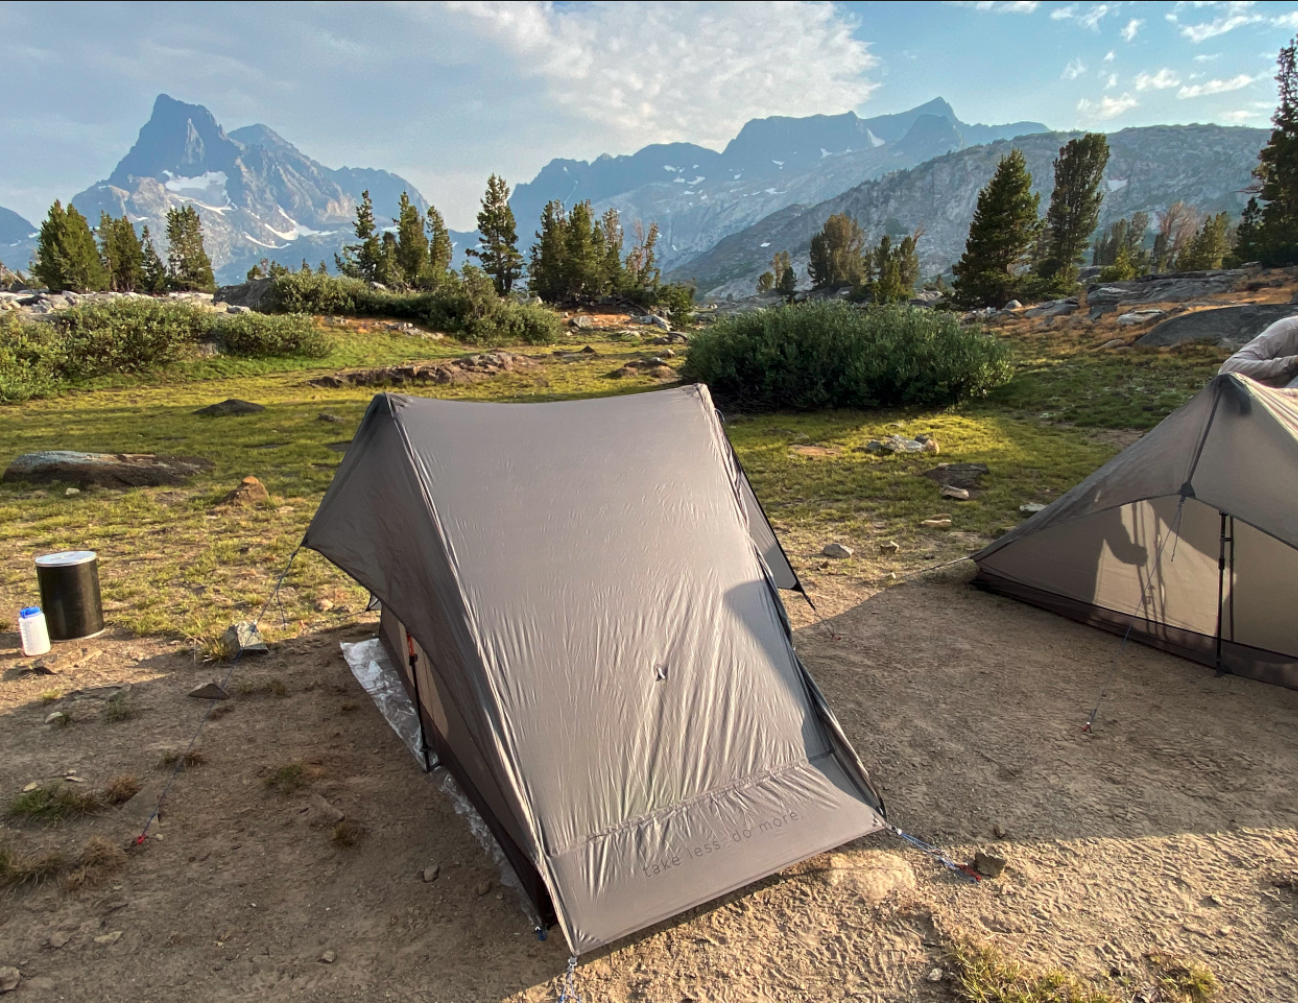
(988,864)
(1031,508)
(873,447)
(58,717)
(934,523)
(998,830)
(70,492)
(9,978)
(326,813)
(1115,343)
(429,873)
(959,494)
(323,606)
(889,547)
(244,636)
(250,491)
(73,779)
(936,974)
(329,957)
(483,888)
(109,938)
(1011,305)
(58,938)
(836,550)
(332,419)
(33,786)
(209,691)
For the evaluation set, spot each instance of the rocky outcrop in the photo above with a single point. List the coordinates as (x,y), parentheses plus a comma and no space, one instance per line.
(107,470)
(1176,287)
(40,303)
(1230,326)
(468,369)
(257,294)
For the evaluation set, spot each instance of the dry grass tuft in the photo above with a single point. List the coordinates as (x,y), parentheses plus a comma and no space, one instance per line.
(220,710)
(273,687)
(98,861)
(347,834)
(117,709)
(288,779)
(192,758)
(51,696)
(1181,980)
(122,788)
(54,804)
(18,869)
(347,707)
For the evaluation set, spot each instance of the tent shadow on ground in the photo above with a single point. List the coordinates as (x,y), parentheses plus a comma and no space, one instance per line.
(968,708)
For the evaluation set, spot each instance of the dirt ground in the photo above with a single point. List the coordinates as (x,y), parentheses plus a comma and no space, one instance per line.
(1171,827)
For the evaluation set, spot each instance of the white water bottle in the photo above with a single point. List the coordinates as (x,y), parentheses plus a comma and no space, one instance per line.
(35,635)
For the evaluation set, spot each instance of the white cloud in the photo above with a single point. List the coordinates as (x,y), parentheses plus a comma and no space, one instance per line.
(1289,20)
(1207,58)
(1064,13)
(1159,81)
(1107,107)
(1073,70)
(1111,81)
(999,6)
(1243,115)
(1091,19)
(1215,87)
(1132,26)
(1236,15)
(1111,56)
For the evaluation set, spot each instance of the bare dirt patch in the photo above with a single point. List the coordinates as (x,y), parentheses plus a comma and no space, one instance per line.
(1162,831)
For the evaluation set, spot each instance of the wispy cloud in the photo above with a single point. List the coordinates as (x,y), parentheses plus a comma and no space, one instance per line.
(1111,81)
(1236,14)
(1090,19)
(1159,81)
(1107,107)
(1206,58)
(1243,115)
(1064,13)
(1073,70)
(1111,56)
(1289,20)
(1132,26)
(1215,87)
(998,6)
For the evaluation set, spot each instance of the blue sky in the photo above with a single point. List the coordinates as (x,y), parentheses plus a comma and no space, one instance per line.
(444,93)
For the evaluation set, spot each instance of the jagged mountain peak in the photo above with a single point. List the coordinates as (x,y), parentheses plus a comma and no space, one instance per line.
(262,135)
(178,139)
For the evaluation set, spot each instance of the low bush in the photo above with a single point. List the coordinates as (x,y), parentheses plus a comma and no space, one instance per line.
(827,354)
(464,306)
(260,336)
(30,356)
(126,335)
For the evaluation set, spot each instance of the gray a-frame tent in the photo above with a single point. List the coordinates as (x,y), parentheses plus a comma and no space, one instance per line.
(584,597)
(1187,540)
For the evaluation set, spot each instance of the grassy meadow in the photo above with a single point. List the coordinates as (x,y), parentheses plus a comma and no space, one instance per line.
(175,563)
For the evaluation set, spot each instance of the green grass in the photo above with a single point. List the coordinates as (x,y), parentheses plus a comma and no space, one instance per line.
(288,779)
(54,804)
(118,709)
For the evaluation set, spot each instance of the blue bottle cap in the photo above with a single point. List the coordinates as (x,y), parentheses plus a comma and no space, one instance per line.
(29,611)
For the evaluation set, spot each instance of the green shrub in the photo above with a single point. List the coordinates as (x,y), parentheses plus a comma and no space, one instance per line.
(827,354)
(310,292)
(126,335)
(261,336)
(30,357)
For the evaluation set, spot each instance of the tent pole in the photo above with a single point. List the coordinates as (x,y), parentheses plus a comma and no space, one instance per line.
(1221,588)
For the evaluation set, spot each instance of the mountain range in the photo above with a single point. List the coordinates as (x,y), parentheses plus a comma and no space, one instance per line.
(1207,166)
(721,214)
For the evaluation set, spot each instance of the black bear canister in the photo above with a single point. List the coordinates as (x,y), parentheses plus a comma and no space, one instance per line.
(69,584)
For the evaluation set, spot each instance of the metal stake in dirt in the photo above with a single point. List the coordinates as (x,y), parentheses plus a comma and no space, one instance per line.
(569,993)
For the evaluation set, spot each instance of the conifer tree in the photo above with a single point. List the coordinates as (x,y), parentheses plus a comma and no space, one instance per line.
(1004,227)
(412,243)
(583,253)
(188,266)
(498,241)
(362,259)
(1269,230)
(786,280)
(66,256)
(121,253)
(153,274)
(766,282)
(389,272)
(893,270)
(1208,247)
(836,254)
(546,271)
(1176,227)
(611,225)
(640,267)
(440,251)
(1074,207)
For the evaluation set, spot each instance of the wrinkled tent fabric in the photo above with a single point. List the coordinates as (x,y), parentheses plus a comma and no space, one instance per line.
(1188,539)
(597,647)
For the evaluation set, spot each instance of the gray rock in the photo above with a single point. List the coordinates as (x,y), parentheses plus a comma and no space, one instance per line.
(238,309)
(483,888)
(935,975)
(874,446)
(58,939)
(246,638)
(329,957)
(1013,305)
(9,978)
(429,873)
(107,470)
(58,717)
(959,494)
(957,475)
(1052,308)
(323,606)
(1114,343)
(332,419)
(230,406)
(1234,325)
(109,938)
(1175,288)
(582,322)
(659,322)
(1294,300)
(209,691)
(1139,317)
(889,547)
(988,864)
(1031,508)
(836,550)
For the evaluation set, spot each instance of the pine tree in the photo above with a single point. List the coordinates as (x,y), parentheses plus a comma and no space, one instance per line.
(188,266)
(153,273)
(765,282)
(611,225)
(786,280)
(362,259)
(412,243)
(1208,247)
(640,267)
(1004,227)
(1074,207)
(546,273)
(1176,227)
(66,256)
(893,270)
(583,253)
(440,251)
(121,254)
(1270,233)
(498,241)
(389,272)
(836,254)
